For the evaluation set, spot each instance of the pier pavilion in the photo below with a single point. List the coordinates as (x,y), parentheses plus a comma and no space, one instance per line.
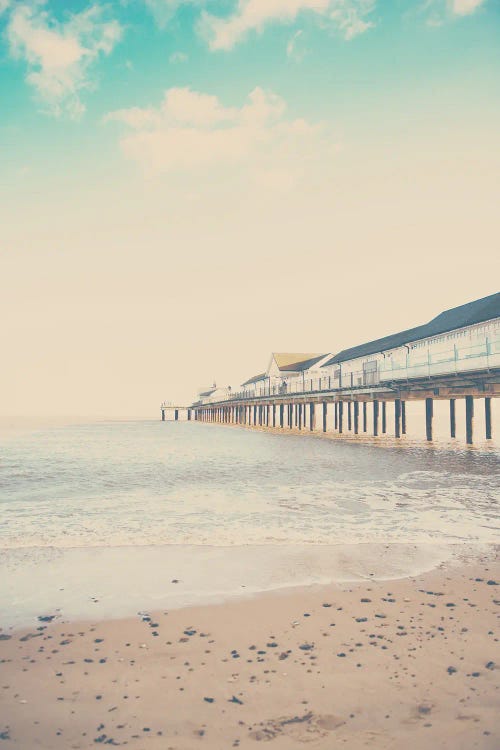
(454,356)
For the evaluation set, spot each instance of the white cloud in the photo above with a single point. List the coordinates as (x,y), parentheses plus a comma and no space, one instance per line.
(443,11)
(350,17)
(59,55)
(295,49)
(164,10)
(465,7)
(178,57)
(192,131)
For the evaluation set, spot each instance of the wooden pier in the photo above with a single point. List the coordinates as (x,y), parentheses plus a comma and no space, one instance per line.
(306,410)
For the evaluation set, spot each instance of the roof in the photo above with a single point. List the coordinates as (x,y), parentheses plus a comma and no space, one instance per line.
(207,393)
(296,362)
(471,313)
(255,379)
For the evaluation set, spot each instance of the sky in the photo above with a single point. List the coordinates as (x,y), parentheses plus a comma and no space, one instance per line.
(189,185)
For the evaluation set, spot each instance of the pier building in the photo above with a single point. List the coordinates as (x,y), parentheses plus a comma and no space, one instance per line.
(454,356)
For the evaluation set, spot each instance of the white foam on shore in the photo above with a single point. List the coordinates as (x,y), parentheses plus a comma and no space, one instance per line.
(109,582)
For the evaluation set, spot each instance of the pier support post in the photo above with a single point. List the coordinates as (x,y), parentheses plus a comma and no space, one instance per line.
(163,415)
(336,423)
(487,417)
(397,417)
(325,415)
(356,417)
(365,421)
(403,417)
(469,419)
(282,409)
(274,415)
(453,418)
(384,417)
(375,418)
(341,415)
(300,416)
(349,416)
(429,413)
(312,417)
(290,416)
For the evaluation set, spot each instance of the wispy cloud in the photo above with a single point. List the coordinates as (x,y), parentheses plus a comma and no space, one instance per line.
(195,131)
(350,17)
(178,57)
(439,12)
(295,49)
(164,10)
(60,54)
(465,7)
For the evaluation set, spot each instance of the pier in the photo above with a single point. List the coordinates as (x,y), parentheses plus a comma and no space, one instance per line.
(366,389)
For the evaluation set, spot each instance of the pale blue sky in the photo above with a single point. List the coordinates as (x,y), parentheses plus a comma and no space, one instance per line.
(188,185)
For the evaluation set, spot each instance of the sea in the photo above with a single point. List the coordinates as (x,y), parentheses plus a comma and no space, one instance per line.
(109,518)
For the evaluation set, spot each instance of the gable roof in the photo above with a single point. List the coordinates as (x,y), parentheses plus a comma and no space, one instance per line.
(207,393)
(477,311)
(295,362)
(255,379)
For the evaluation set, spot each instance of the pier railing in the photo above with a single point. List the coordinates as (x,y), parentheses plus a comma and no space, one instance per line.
(476,357)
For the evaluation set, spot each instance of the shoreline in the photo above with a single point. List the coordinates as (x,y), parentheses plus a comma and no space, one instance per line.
(70,581)
(367,664)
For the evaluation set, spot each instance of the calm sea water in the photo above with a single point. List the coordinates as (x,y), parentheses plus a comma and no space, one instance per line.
(98,509)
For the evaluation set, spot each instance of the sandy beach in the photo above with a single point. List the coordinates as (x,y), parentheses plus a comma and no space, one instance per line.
(412,663)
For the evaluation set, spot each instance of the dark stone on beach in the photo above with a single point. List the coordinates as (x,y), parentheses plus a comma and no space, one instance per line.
(365,600)
(98,640)
(327,605)
(46,618)
(381,617)
(283,656)
(272,645)
(209,700)
(28,636)
(5,735)
(451,670)
(234,699)
(490,665)
(492,583)
(175,580)
(450,604)
(424,710)
(361,619)
(5,637)
(189,632)
(306,647)
(341,654)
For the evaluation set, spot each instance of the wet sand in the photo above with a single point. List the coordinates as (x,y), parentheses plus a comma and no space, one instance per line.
(410,663)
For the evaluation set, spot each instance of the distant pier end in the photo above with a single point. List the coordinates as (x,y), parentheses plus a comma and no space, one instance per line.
(173,413)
